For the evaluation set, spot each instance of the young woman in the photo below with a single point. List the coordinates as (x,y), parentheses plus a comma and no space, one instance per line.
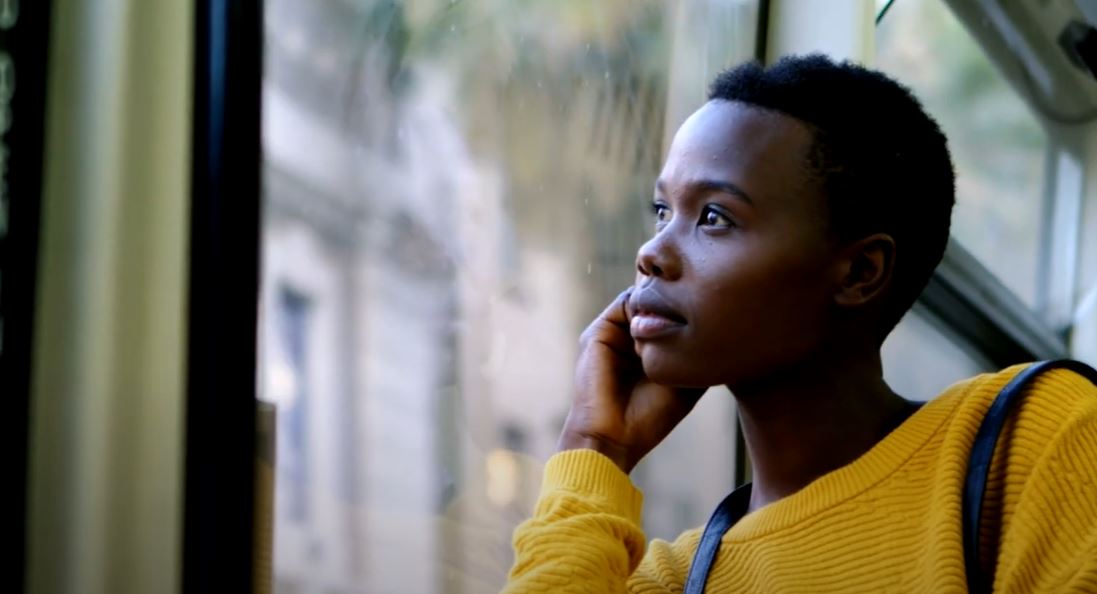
(799,214)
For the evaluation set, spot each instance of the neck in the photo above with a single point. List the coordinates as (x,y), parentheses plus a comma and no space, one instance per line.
(818,417)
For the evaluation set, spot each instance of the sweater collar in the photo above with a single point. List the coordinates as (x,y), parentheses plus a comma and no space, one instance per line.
(849,481)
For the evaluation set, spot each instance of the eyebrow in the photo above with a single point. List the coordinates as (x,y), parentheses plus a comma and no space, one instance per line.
(712,185)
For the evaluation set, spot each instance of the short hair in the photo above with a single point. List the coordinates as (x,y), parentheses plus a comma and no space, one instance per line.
(883,163)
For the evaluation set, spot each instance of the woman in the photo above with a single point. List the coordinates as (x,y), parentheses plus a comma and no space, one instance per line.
(798,215)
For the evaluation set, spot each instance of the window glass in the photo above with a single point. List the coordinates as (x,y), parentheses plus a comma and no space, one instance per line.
(694,467)
(453,189)
(922,357)
(998,147)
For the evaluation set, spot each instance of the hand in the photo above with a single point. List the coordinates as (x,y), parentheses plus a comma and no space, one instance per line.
(617,410)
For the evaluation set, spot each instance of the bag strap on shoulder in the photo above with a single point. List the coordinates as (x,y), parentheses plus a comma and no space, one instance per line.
(982,452)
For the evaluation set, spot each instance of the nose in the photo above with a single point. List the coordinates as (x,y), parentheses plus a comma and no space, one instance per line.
(659,258)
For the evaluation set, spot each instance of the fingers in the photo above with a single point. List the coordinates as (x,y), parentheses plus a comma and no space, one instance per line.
(611,327)
(617,311)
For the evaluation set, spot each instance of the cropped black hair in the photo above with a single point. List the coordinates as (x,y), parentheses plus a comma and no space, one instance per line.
(883,162)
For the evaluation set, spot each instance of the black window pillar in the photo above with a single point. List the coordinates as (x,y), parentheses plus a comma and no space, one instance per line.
(24,45)
(224,286)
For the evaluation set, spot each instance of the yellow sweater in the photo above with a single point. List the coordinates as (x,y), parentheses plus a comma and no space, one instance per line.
(887,522)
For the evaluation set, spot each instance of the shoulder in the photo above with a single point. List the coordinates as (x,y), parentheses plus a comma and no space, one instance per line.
(1054,396)
(1041,486)
(1056,412)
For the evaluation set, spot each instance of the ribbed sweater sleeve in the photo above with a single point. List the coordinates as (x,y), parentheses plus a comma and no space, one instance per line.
(585,533)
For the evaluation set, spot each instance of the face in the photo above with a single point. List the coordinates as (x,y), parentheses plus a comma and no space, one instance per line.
(738,279)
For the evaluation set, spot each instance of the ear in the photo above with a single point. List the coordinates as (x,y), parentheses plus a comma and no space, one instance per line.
(867,268)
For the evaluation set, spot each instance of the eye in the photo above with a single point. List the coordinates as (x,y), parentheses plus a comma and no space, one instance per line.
(662,213)
(714,218)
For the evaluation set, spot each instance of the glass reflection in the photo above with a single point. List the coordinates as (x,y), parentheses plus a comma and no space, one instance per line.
(453,190)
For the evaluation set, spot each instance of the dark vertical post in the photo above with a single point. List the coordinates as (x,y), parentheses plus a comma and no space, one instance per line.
(223,307)
(761,34)
(24,45)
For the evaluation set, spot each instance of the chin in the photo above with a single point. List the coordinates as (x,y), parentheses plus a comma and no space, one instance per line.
(670,370)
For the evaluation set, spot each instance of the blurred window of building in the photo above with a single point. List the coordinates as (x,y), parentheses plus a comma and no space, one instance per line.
(289,380)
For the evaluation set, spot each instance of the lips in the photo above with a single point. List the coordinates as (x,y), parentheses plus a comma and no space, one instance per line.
(653,316)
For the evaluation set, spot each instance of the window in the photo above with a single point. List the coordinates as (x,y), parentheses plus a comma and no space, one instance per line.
(922,357)
(454,188)
(999,86)
(459,187)
(999,148)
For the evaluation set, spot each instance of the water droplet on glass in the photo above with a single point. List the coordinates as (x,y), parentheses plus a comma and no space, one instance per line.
(452,28)
(589,267)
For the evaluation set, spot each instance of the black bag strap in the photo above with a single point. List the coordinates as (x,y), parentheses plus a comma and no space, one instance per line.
(735,505)
(982,451)
(731,510)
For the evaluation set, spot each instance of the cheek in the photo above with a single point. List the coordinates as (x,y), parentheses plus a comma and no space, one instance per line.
(766,310)
(766,286)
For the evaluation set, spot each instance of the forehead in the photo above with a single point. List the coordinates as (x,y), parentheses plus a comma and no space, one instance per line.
(761,151)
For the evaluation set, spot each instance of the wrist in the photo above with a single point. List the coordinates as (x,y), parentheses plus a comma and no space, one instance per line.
(572,440)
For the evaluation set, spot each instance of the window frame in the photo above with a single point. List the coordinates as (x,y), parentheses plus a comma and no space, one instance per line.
(25,44)
(222,411)
(972,301)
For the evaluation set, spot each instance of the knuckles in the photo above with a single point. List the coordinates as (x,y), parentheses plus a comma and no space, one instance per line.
(585,337)
(592,333)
